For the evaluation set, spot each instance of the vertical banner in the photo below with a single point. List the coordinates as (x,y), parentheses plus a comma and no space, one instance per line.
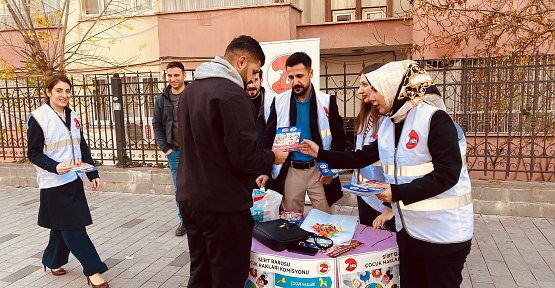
(276,271)
(371,270)
(274,72)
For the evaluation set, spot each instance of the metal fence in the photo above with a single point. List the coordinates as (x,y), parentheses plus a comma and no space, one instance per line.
(93,101)
(506,106)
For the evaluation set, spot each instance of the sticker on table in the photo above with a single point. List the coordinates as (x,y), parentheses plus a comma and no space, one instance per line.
(276,271)
(376,270)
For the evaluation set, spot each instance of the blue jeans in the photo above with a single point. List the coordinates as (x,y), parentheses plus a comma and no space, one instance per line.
(173,159)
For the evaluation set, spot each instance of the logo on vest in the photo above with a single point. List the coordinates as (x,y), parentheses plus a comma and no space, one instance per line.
(327,112)
(413,139)
(77,124)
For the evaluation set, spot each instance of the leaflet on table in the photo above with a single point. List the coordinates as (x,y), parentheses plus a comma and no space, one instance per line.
(278,271)
(326,171)
(287,138)
(83,167)
(366,188)
(377,269)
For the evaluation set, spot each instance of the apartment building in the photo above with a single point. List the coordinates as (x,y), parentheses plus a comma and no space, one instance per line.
(193,31)
(145,35)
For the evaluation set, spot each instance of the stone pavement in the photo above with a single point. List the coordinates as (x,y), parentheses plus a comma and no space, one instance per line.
(506,252)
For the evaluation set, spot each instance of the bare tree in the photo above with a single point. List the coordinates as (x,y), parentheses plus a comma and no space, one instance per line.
(43,28)
(488,27)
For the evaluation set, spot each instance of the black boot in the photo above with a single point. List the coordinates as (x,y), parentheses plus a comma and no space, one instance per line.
(180,230)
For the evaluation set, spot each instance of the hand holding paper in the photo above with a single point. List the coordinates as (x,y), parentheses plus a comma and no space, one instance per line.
(309,148)
(280,156)
(62,168)
(324,179)
(385,195)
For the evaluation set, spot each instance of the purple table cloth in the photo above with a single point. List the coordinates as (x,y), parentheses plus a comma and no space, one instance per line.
(374,265)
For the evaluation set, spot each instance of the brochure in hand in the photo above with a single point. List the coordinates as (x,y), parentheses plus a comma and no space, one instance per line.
(326,171)
(287,138)
(83,167)
(366,188)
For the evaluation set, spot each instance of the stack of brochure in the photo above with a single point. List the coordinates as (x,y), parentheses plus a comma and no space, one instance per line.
(287,138)
(366,188)
(326,171)
(83,167)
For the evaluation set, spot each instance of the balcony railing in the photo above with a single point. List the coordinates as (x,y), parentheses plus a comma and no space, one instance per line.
(180,5)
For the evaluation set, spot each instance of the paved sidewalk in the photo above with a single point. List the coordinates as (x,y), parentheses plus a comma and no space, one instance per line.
(506,251)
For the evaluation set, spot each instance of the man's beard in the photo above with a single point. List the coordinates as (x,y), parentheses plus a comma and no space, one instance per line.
(243,74)
(253,95)
(303,89)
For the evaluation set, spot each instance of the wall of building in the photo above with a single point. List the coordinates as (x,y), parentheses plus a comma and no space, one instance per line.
(132,45)
(205,34)
(372,35)
(11,45)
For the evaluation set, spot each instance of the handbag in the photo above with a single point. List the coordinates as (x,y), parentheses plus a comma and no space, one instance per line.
(279,234)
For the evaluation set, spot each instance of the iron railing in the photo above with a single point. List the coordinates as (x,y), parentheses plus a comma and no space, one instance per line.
(505,105)
(93,101)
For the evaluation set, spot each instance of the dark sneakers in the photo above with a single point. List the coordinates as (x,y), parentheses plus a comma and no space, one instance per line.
(180,230)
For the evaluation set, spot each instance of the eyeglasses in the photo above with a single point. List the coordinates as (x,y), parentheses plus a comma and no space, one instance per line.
(321,242)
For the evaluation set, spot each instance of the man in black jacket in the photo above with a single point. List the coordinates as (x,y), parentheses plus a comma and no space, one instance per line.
(262,101)
(218,136)
(164,124)
(317,114)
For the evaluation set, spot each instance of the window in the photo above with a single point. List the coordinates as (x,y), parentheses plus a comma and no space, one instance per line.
(141,5)
(343,15)
(6,20)
(94,7)
(91,7)
(47,7)
(374,13)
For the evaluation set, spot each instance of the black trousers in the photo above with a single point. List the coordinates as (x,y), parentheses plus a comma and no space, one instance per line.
(422,272)
(77,242)
(219,245)
(367,214)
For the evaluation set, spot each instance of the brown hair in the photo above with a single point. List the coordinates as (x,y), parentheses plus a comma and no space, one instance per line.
(366,108)
(51,82)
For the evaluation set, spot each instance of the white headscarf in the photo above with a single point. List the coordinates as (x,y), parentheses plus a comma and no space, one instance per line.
(403,80)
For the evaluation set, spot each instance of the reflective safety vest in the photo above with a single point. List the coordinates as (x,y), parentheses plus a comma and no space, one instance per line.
(370,172)
(283,104)
(268,99)
(60,144)
(445,218)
